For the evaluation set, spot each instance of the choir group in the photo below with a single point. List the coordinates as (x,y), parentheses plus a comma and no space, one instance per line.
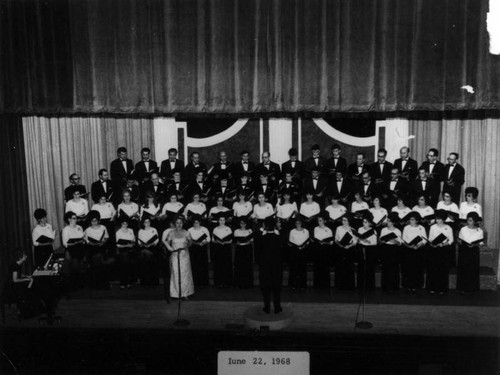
(172,220)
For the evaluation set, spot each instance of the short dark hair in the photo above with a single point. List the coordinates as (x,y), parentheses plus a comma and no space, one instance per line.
(121,149)
(293,152)
(193,154)
(72,175)
(146,149)
(68,215)
(335,146)
(101,171)
(472,190)
(172,150)
(39,214)
(315,147)
(474,216)
(362,154)
(243,152)
(434,150)
(455,153)
(93,215)
(382,150)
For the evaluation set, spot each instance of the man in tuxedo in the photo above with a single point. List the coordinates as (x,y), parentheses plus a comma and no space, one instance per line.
(336,162)
(341,187)
(289,184)
(224,188)
(453,177)
(293,165)
(132,187)
(155,188)
(145,167)
(244,185)
(267,186)
(394,188)
(317,184)
(423,185)
(199,186)
(220,167)
(271,168)
(195,165)
(355,170)
(74,185)
(177,186)
(120,168)
(367,188)
(170,165)
(101,187)
(244,166)
(434,168)
(407,166)
(381,169)
(316,160)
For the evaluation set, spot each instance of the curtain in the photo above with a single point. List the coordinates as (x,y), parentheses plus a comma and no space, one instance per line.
(476,141)
(58,147)
(245,56)
(15,218)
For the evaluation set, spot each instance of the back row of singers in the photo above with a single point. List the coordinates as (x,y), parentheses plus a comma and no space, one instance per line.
(435,176)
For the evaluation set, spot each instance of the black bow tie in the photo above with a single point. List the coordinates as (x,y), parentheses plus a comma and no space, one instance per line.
(367,184)
(245,162)
(264,184)
(223,162)
(381,162)
(316,157)
(315,178)
(339,180)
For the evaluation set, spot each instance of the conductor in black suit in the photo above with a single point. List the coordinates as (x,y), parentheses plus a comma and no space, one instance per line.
(75,185)
(170,165)
(101,187)
(336,162)
(145,167)
(316,160)
(381,169)
(355,171)
(453,177)
(194,167)
(271,168)
(293,166)
(120,168)
(407,166)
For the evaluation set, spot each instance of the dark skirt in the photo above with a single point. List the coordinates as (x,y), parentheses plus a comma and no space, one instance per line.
(344,268)
(391,258)
(243,266)
(42,255)
(222,264)
(127,266)
(367,259)
(412,268)
(149,267)
(323,255)
(199,264)
(438,267)
(468,268)
(297,277)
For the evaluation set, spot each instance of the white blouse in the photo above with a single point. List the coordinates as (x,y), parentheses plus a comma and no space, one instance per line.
(263,212)
(402,212)
(146,234)
(378,214)
(370,241)
(359,206)
(340,233)
(216,210)
(298,237)
(436,230)
(151,209)
(222,232)
(322,233)
(172,207)
(106,210)
(242,233)
(69,233)
(130,209)
(165,234)
(396,241)
(409,233)
(96,233)
(448,207)
(42,231)
(465,208)
(80,208)
(309,209)
(125,234)
(471,235)
(198,209)
(336,212)
(197,233)
(286,210)
(425,211)
(242,209)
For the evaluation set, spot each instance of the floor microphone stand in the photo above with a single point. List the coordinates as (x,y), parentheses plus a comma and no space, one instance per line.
(363,324)
(179,322)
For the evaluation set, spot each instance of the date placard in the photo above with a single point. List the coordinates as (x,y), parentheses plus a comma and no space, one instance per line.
(262,363)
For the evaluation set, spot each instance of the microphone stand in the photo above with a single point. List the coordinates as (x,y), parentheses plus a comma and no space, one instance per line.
(179,322)
(363,324)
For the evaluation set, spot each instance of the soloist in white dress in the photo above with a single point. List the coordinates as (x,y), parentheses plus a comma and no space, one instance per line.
(187,285)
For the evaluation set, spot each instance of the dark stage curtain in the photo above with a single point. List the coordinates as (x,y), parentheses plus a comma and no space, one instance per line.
(15,220)
(246,56)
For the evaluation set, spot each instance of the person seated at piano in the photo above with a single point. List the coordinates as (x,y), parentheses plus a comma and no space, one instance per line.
(412,266)
(198,252)
(155,188)
(178,186)
(381,169)
(171,165)
(470,238)
(195,166)
(367,188)
(17,287)
(243,255)
(200,186)
(43,238)
(74,242)
(358,208)
(224,188)
(425,211)
(221,253)
(130,210)
(317,185)
(341,188)
(262,210)
(286,210)
(309,210)
(299,241)
(368,254)
(322,253)
(345,254)
(268,187)
(423,185)
(355,171)
(219,210)
(379,213)
(336,162)
(146,167)
(148,240)
(391,190)
(390,253)
(96,237)
(242,207)
(293,166)
(438,265)
(270,168)
(451,209)
(294,187)
(402,210)
(79,206)
(127,253)
(171,209)
(335,212)
(195,208)
(151,209)
(74,184)
(470,205)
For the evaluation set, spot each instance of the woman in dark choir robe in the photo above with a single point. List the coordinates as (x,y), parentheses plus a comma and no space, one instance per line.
(43,237)
(367,254)
(126,250)
(148,240)
(412,267)
(96,237)
(440,240)
(74,243)
(270,271)
(470,238)
(323,253)
(220,252)
(299,241)
(243,255)
(199,252)
(391,253)
(345,254)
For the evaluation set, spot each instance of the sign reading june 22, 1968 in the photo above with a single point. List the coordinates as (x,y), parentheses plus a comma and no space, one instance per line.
(263,363)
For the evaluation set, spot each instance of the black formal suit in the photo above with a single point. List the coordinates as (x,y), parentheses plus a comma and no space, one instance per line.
(271,191)
(228,192)
(319,192)
(333,165)
(181,189)
(345,193)
(310,164)
(166,172)
(389,195)
(294,187)
(378,177)
(219,167)
(205,190)
(159,192)
(141,172)
(118,173)
(273,172)
(454,182)
(191,170)
(97,190)
(247,189)
(297,171)
(410,171)
(238,170)
(135,194)
(368,192)
(355,174)
(68,192)
(431,191)
(437,171)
